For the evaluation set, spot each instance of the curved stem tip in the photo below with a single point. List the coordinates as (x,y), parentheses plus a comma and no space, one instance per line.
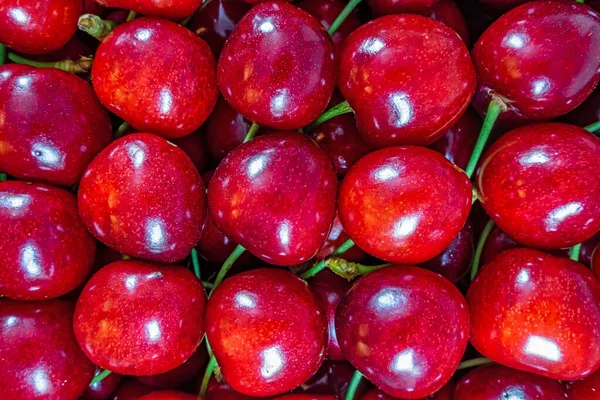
(338,109)
(95,26)
(479,249)
(210,368)
(100,376)
(321,265)
(252,132)
(235,254)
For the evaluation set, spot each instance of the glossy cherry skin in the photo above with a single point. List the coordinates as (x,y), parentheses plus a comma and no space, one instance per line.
(329,289)
(587,113)
(445,393)
(46,250)
(137,318)
(73,50)
(537,313)
(104,389)
(336,238)
(404,204)
(36,27)
(182,374)
(175,10)
(275,196)
(125,70)
(333,378)
(386,7)
(52,127)
(222,391)
(493,382)
(540,184)
(215,247)
(458,142)
(405,329)
(587,248)
(516,59)
(169,395)
(143,197)
(132,390)
(267,331)
(40,357)
(585,389)
(449,14)
(278,66)
(408,79)
(215,20)
(226,129)
(194,145)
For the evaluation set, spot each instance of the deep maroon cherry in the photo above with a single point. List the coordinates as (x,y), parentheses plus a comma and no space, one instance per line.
(222,391)
(404,204)
(91,7)
(267,331)
(33,26)
(177,377)
(587,113)
(278,66)
(132,390)
(130,59)
(408,79)
(587,248)
(194,145)
(538,313)
(540,184)
(306,397)
(226,129)
(449,14)
(385,7)
(169,395)
(52,127)
(493,382)
(516,59)
(501,5)
(405,329)
(46,250)
(336,238)
(175,10)
(104,389)
(595,261)
(445,393)
(143,196)
(73,50)
(585,389)
(137,318)
(275,196)
(40,357)
(333,378)
(458,142)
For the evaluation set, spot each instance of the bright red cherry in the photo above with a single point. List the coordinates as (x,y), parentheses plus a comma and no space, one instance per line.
(169,395)
(52,126)
(181,375)
(385,7)
(540,184)
(267,331)
(194,145)
(170,9)
(278,66)
(405,329)
(132,390)
(516,59)
(137,318)
(40,357)
(408,79)
(493,382)
(46,250)
(449,14)
(104,389)
(537,313)
(130,59)
(32,26)
(275,196)
(143,196)
(404,204)
(585,389)
(458,142)
(336,238)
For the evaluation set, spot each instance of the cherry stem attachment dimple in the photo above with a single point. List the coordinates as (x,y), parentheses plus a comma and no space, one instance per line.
(95,26)
(479,249)
(210,368)
(354,382)
(495,108)
(100,376)
(595,127)
(474,363)
(196,263)
(574,252)
(321,265)
(343,15)
(235,254)
(81,66)
(338,109)
(252,132)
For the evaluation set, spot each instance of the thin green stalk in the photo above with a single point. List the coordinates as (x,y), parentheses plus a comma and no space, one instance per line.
(210,368)
(479,249)
(196,263)
(131,16)
(474,363)
(495,108)
(100,376)
(81,66)
(574,253)
(235,254)
(252,132)
(338,109)
(3,177)
(579,1)
(207,285)
(343,15)
(350,270)
(95,26)
(121,130)
(2,54)
(356,378)
(186,21)
(321,265)
(595,127)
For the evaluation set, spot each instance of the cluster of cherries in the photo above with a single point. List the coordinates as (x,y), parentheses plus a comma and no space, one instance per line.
(285,208)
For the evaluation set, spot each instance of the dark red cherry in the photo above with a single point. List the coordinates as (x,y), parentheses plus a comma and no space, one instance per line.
(91,7)
(215,20)
(458,142)
(143,196)
(215,247)
(587,248)
(336,238)
(404,204)
(52,127)
(329,289)
(226,129)
(540,184)
(278,66)
(587,113)
(104,389)
(493,382)
(385,7)
(333,378)
(130,59)
(36,27)
(182,374)
(73,50)
(516,59)
(445,393)
(538,313)
(170,9)
(194,145)
(275,195)
(306,397)
(408,79)
(260,1)
(132,390)
(595,261)
(267,331)
(501,5)
(449,14)
(222,391)
(46,250)
(169,395)
(40,357)
(405,329)
(585,389)
(137,318)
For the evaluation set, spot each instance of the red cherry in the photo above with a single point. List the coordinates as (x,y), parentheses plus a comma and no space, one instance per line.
(537,313)
(226,129)
(516,59)
(104,389)
(333,378)
(130,59)
(278,67)
(267,331)
(385,7)
(458,142)
(336,238)
(91,7)
(405,329)
(448,13)
(46,251)
(286,229)
(585,389)
(194,145)
(73,50)
(540,184)
(492,382)
(260,1)
(407,78)
(52,127)
(501,5)
(35,27)
(306,397)
(177,377)
(404,204)
(170,9)
(132,390)
(587,248)
(169,395)
(595,261)
(137,318)
(445,393)
(40,357)
(143,196)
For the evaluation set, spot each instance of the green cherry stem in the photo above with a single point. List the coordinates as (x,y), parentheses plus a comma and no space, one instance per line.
(95,26)
(252,132)
(350,270)
(495,108)
(131,16)
(186,21)
(595,127)
(579,1)
(3,177)
(343,15)
(354,382)
(479,249)
(338,109)
(235,254)
(100,376)
(321,265)
(196,263)
(207,285)
(2,54)
(81,66)
(121,130)
(574,252)
(210,368)
(474,363)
